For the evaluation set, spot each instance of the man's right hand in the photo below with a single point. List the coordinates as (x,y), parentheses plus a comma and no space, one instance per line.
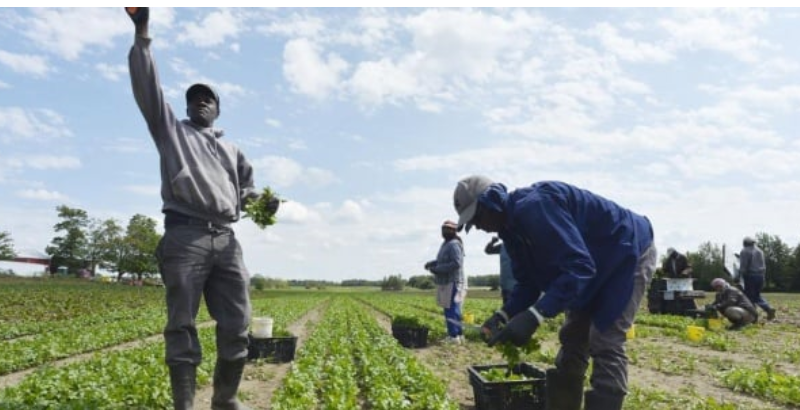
(492,326)
(139,15)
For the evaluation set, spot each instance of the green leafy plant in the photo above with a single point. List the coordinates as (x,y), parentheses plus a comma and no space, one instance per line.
(513,354)
(259,209)
(407,321)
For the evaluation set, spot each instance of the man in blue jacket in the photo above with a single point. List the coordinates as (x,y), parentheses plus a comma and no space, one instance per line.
(572,251)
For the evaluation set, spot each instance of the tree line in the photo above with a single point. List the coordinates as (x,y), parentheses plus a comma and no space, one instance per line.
(711,261)
(81,242)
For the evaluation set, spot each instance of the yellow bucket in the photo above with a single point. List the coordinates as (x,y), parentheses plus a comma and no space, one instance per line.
(714,324)
(469,318)
(695,333)
(631,333)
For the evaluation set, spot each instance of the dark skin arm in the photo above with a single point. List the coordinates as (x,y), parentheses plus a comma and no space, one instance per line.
(140,17)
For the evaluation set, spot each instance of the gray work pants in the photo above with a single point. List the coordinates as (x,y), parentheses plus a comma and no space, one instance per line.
(197,261)
(581,340)
(739,315)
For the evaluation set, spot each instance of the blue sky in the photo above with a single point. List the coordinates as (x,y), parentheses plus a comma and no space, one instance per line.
(364,119)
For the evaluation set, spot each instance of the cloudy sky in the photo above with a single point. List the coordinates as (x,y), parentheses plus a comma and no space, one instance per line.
(364,119)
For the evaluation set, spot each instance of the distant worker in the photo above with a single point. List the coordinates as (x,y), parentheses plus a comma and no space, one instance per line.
(753,269)
(448,274)
(507,281)
(733,304)
(676,265)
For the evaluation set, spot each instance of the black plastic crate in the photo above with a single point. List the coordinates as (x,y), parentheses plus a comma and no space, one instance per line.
(411,337)
(508,395)
(272,349)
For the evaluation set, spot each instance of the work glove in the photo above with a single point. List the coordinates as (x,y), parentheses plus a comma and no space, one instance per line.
(273,205)
(518,330)
(493,325)
(139,15)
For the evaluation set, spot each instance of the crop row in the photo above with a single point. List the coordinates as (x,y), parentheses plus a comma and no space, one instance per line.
(133,378)
(349,362)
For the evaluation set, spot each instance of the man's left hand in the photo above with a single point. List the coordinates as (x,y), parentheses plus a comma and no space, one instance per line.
(518,330)
(273,205)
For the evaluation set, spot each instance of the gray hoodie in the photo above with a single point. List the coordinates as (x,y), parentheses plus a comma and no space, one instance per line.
(751,261)
(202,175)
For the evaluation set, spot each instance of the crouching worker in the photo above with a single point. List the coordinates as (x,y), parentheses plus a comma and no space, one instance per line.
(584,255)
(733,304)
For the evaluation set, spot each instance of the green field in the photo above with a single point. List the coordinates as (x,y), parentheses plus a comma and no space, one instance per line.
(72,344)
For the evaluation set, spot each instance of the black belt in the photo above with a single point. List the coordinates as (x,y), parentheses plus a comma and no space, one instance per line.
(172,218)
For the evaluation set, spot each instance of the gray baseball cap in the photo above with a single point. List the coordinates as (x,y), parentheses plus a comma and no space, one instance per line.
(465,198)
(200,87)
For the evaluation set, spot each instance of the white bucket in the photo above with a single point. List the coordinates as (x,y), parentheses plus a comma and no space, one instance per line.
(679,284)
(261,327)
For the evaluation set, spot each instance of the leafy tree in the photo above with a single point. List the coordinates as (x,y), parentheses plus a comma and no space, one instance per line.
(70,248)
(421,282)
(6,246)
(794,268)
(103,240)
(706,264)
(141,240)
(393,283)
(777,255)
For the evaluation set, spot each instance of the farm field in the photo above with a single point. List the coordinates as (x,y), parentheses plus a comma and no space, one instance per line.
(70,344)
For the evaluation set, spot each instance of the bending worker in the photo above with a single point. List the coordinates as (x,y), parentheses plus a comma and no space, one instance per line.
(733,304)
(583,255)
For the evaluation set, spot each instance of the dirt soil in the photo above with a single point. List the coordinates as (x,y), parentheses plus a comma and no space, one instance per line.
(260,380)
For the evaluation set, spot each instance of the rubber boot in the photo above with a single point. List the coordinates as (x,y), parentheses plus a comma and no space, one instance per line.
(771,314)
(183,379)
(599,401)
(227,375)
(563,391)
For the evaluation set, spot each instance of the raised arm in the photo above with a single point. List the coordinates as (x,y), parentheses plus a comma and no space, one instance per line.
(144,76)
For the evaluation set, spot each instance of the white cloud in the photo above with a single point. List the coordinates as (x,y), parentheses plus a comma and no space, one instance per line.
(468,42)
(42,195)
(376,81)
(370,30)
(295,25)
(272,122)
(629,49)
(292,212)
(285,172)
(308,71)
(41,162)
(112,72)
(730,31)
(216,28)
(350,211)
(25,63)
(31,125)
(70,32)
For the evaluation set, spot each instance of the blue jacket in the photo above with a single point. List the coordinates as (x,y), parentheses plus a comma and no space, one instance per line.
(576,247)
(507,281)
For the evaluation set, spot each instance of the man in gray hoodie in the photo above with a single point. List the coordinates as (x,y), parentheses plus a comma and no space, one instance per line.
(753,268)
(205,183)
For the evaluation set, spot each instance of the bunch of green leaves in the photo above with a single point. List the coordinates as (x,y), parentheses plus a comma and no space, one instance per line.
(259,211)
(497,374)
(407,321)
(513,354)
